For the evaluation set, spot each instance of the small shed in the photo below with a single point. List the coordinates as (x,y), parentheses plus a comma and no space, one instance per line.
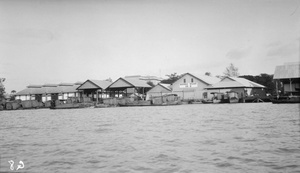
(159,90)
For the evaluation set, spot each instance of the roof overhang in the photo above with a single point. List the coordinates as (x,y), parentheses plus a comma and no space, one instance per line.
(212,88)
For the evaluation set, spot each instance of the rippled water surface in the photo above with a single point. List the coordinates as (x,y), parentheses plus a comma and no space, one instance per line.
(258,137)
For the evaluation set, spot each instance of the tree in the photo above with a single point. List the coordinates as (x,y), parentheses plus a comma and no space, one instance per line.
(208,73)
(109,80)
(231,71)
(172,78)
(263,79)
(150,83)
(12,95)
(2,89)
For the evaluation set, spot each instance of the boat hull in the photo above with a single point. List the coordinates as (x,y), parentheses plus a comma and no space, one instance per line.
(148,103)
(67,106)
(286,100)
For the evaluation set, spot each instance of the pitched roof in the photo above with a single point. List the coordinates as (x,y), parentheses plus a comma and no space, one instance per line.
(68,88)
(234,82)
(166,86)
(129,83)
(287,71)
(160,87)
(94,84)
(209,79)
(144,77)
(29,91)
(138,82)
(49,89)
(205,79)
(101,83)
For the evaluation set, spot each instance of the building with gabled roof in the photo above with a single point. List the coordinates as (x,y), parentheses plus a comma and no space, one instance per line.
(289,75)
(191,87)
(92,90)
(241,86)
(48,92)
(126,86)
(234,82)
(155,80)
(159,90)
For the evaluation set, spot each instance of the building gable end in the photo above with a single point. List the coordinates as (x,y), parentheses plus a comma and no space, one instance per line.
(88,85)
(120,83)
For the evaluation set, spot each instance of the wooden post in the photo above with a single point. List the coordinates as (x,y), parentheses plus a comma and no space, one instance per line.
(97,96)
(291,86)
(276,87)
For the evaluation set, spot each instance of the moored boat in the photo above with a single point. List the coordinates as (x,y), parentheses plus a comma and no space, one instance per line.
(286,99)
(233,97)
(67,106)
(135,103)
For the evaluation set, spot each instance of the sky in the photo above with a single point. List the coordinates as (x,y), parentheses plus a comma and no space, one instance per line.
(54,41)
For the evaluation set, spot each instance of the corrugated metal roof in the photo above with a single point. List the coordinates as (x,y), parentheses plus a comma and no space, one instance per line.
(94,84)
(103,84)
(138,82)
(148,78)
(247,82)
(128,83)
(287,71)
(233,82)
(48,89)
(167,86)
(209,80)
(29,91)
(50,85)
(34,86)
(68,89)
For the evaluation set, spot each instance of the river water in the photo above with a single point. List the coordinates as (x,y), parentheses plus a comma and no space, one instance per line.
(252,137)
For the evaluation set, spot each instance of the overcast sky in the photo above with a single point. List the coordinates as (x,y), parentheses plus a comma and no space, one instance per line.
(43,41)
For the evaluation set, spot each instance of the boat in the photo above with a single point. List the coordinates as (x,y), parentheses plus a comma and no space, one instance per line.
(101,106)
(213,101)
(285,99)
(207,101)
(164,100)
(229,97)
(232,97)
(67,106)
(135,103)
(217,98)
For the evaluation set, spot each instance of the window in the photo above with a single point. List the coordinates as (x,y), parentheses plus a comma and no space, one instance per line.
(192,80)
(183,80)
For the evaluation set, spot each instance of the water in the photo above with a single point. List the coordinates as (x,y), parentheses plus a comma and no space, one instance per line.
(258,137)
